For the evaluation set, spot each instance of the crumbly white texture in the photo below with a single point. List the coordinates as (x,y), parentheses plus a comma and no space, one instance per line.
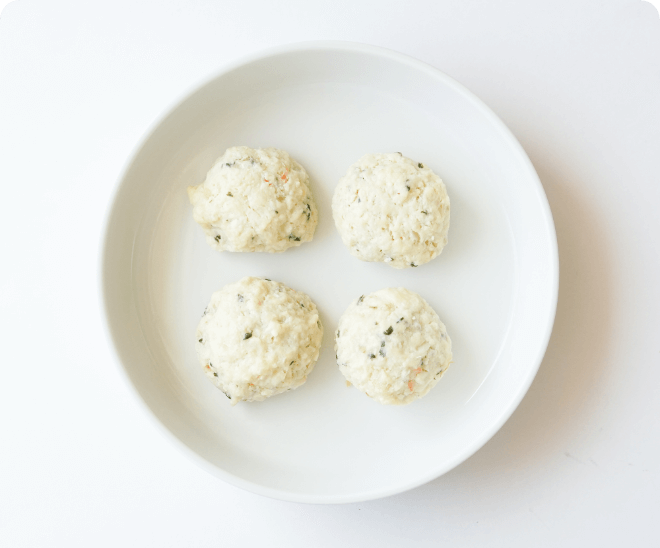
(392,346)
(391,209)
(255,200)
(258,338)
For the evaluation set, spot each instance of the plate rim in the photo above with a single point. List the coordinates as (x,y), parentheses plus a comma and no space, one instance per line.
(330,45)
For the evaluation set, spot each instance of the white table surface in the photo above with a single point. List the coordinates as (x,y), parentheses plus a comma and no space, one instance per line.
(578,464)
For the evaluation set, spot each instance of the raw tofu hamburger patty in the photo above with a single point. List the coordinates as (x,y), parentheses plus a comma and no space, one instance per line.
(255,200)
(392,346)
(258,338)
(391,209)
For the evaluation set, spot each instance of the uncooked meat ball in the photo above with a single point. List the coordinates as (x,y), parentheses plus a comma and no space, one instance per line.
(392,209)
(255,200)
(392,346)
(258,338)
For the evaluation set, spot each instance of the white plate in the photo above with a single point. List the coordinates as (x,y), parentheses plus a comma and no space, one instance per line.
(494,285)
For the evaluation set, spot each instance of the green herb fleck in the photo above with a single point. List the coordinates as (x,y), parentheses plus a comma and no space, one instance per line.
(294,238)
(425,212)
(372,356)
(230,194)
(413,265)
(421,166)
(201,340)
(218,238)
(408,188)
(389,330)
(240,298)
(247,335)
(360,299)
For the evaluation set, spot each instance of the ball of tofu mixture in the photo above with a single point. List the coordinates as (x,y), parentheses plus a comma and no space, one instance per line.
(255,200)
(391,209)
(392,346)
(258,338)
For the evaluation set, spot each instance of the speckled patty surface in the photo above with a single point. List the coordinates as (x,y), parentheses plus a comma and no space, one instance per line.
(258,338)
(255,200)
(392,209)
(392,346)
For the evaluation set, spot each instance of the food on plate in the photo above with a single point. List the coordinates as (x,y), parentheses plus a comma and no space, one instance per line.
(392,346)
(392,209)
(255,200)
(258,338)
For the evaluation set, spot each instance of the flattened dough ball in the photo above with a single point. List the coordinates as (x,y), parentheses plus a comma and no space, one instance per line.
(391,209)
(258,338)
(255,200)
(392,346)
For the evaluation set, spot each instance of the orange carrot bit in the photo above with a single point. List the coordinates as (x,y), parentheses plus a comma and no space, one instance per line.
(410,385)
(266,180)
(417,371)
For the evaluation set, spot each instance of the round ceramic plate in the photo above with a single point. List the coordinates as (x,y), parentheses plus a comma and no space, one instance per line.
(494,285)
